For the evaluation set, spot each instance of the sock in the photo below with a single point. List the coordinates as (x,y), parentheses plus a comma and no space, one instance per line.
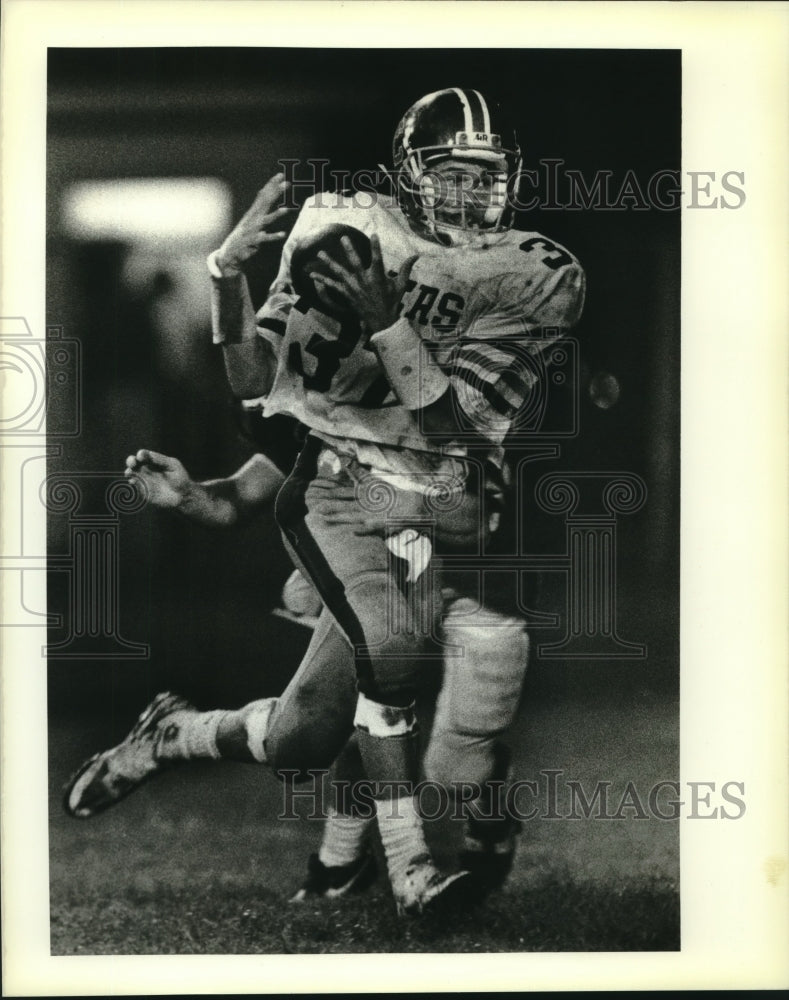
(402,836)
(343,839)
(389,744)
(251,728)
(188,735)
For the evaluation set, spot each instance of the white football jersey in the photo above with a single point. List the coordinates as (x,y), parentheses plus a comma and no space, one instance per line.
(479,309)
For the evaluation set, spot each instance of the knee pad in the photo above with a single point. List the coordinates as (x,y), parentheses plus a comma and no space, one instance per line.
(484,670)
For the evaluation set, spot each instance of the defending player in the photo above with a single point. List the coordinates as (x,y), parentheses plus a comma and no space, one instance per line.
(497,654)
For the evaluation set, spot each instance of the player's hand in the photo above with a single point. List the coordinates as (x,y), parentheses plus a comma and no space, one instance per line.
(166,481)
(370,293)
(363,522)
(368,507)
(255,228)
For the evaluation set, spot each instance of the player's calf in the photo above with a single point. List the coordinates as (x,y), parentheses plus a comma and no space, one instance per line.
(388,741)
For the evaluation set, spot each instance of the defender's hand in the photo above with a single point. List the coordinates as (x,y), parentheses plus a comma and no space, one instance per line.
(255,228)
(372,295)
(368,507)
(166,481)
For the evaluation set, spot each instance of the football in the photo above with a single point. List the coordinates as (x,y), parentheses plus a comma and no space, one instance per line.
(304,262)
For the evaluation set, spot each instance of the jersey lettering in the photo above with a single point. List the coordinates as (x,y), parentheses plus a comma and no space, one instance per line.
(328,374)
(424,303)
(410,285)
(448,318)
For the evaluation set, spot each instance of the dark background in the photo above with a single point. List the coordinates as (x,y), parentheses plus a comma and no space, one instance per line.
(201,598)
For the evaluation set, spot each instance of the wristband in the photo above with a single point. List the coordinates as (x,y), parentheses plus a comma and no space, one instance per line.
(213,268)
(212,262)
(232,315)
(415,377)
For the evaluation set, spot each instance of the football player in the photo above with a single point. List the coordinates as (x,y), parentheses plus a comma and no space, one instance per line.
(413,382)
(409,390)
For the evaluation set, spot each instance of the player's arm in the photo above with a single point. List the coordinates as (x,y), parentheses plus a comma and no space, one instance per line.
(250,362)
(490,371)
(216,502)
(486,380)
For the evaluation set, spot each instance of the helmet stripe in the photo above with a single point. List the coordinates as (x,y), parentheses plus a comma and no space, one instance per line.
(475,122)
(485,112)
(468,124)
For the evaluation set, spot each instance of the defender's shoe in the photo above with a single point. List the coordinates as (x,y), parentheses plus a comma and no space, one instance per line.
(425,889)
(332,882)
(491,834)
(490,860)
(108,777)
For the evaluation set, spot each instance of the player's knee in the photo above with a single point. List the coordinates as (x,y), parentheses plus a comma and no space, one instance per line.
(294,759)
(467,613)
(391,669)
(388,663)
(305,736)
(391,676)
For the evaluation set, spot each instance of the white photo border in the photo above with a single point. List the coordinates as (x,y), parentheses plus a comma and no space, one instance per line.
(735,921)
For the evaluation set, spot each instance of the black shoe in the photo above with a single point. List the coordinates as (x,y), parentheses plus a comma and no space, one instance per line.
(491,835)
(490,861)
(325,882)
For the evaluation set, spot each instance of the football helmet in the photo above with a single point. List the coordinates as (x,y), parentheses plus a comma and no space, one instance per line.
(456,163)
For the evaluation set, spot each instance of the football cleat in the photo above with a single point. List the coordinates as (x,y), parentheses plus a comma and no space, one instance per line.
(332,882)
(426,889)
(108,777)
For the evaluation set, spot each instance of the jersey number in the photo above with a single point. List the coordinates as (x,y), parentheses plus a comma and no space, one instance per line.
(329,354)
(554,263)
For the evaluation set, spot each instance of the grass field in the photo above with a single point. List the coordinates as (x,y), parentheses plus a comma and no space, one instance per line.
(196,861)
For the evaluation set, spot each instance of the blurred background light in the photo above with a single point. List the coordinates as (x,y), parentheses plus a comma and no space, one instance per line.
(155,209)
